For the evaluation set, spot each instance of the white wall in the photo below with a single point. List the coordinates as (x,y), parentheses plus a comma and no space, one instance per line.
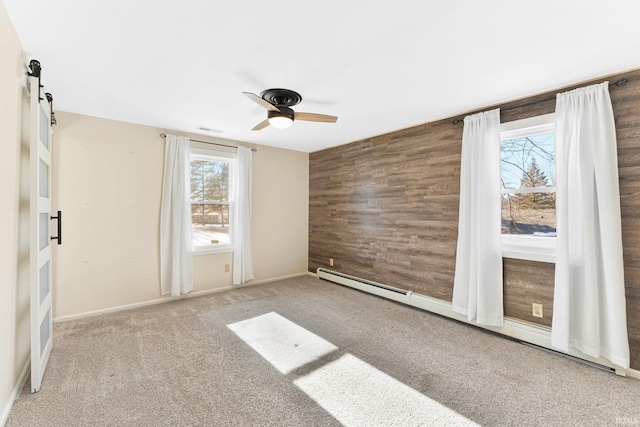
(14,286)
(107,182)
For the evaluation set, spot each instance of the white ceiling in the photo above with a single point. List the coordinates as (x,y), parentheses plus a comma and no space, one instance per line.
(378,65)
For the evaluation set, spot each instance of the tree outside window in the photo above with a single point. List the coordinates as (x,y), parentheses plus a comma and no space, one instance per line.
(210,201)
(528,185)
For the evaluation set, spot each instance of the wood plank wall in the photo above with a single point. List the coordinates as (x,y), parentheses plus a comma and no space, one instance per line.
(386,209)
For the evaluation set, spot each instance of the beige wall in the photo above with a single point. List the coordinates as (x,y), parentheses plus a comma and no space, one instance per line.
(280,219)
(14,286)
(107,182)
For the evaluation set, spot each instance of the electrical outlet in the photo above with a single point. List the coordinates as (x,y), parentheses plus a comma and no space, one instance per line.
(227,268)
(537,310)
(330,262)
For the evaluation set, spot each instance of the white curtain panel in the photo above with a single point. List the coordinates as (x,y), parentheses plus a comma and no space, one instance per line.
(477,288)
(241,228)
(176,263)
(589,309)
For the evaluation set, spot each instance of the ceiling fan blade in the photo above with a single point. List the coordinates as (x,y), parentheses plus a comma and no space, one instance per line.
(261,125)
(313,117)
(255,98)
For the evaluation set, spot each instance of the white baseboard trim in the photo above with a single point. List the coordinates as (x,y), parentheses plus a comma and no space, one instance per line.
(513,328)
(167,299)
(288,276)
(136,305)
(633,373)
(15,393)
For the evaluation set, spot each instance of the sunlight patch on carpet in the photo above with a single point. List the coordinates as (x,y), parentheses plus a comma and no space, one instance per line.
(281,342)
(357,394)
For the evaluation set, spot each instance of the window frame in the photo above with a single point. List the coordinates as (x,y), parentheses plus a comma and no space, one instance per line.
(216,156)
(532,248)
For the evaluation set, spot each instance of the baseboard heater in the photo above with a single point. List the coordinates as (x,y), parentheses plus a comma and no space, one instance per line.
(526,332)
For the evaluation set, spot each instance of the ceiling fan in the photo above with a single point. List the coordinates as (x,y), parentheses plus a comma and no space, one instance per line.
(278,103)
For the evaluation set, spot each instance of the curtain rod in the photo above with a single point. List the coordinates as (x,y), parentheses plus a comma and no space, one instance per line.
(164,135)
(618,83)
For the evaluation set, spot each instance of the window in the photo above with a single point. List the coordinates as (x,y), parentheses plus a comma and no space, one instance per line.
(210,201)
(527,157)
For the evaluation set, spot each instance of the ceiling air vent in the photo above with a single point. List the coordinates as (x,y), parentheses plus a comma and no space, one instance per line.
(207,129)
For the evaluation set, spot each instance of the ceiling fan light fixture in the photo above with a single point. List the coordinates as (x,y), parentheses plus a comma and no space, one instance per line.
(279,114)
(280,122)
(281,119)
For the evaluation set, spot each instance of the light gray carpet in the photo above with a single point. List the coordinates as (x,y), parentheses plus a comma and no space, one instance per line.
(179,364)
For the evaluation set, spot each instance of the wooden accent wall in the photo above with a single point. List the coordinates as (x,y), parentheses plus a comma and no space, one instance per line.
(526,282)
(386,209)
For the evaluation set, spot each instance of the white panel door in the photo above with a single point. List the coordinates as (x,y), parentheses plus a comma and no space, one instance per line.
(40,225)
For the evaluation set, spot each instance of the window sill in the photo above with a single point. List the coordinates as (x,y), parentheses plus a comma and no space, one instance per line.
(539,254)
(531,248)
(213,250)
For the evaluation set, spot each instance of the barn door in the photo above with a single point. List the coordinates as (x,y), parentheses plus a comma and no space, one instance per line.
(40,226)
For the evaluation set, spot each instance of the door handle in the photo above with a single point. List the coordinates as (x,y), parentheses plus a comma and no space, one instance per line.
(59,236)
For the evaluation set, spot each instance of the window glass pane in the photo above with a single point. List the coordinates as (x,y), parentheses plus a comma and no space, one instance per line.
(529,214)
(44,180)
(210,224)
(43,231)
(44,281)
(528,162)
(209,180)
(44,128)
(45,332)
